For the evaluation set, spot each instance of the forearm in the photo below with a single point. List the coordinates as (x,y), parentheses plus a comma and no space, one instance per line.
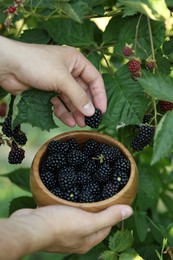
(20,236)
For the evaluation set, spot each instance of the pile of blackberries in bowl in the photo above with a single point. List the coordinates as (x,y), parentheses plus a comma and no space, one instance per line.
(84,169)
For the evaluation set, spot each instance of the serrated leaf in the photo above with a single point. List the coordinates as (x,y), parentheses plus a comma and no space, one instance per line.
(114,36)
(157,85)
(156,10)
(20,177)
(163,141)
(20,203)
(126,101)
(70,32)
(35,35)
(141,224)
(131,254)
(35,108)
(120,241)
(108,255)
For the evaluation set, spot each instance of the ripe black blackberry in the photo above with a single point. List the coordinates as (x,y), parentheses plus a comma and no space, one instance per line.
(146,119)
(73,144)
(143,138)
(110,154)
(16,155)
(72,194)
(90,147)
(83,178)
(57,191)
(90,166)
(94,120)
(103,174)
(66,177)
(122,164)
(56,146)
(109,190)
(121,178)
(76,158)
(55,162)
(6,127)
(87,196)
(20,138)
(48,179)
(92,187)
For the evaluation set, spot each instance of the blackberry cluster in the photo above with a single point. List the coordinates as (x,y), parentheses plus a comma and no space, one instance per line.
(143,138)
(89,172)
(15,138)
(94,120)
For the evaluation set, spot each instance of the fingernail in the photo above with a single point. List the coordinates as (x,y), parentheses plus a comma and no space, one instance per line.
(88,109)
(126,212)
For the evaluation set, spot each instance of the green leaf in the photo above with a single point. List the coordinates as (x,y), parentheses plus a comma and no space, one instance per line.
(108,255)
(163,141)
(120,241)
(156,10)
(156,230)
(131,254)
(157,85)
(170,233)
(141,224)
(114,36)
(20,177)
(148,187)
(35,108)
(126,101)
(70,32)
(20,203)
(35,35)
(167,201)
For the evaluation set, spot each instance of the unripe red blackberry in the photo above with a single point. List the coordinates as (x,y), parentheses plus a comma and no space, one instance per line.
(127,51)
(150,64)
(165,105)
(3,109)
(134,65)
(12,9)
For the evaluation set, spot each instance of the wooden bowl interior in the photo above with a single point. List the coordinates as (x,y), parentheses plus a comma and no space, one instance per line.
(44,197)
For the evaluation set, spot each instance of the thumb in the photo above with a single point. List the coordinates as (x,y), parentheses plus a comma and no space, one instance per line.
(77,95)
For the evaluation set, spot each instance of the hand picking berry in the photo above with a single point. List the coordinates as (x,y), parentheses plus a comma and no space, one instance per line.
(94,120)
(83,177)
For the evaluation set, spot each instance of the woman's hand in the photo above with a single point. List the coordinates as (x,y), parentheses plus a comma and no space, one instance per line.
(64,70)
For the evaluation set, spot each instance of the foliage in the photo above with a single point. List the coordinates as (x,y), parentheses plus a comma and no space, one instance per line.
(146,26)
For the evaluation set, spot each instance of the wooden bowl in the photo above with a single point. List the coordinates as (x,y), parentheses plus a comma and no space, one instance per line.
(44,197)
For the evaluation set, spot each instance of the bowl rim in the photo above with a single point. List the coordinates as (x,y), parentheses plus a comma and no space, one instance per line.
(72,134)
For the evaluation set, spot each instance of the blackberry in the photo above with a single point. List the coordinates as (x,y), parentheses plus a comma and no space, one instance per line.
(87,196)
(110,154)
(127,51)
(55,162)
(57,191)
(20,138)
(83,178)
(146,118)
(92,187)
(103,173)
(16,155)
(72,194)
(122,164)
(57,147)
(73,144)
(94,120)
(6,127)
(89,166)
(165,105)
(109,190)
(66,177)
(143,138)
(134,65)
(121,178)
(76,158)
(90,147)
(48,180)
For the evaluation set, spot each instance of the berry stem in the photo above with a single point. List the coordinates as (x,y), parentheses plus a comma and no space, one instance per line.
(151,41)
(136,34)
(107,63)
(10,111)
(155,111)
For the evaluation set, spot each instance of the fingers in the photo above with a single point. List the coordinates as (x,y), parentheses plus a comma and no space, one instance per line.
(109,217)
(91,76)
(76,94)
(12,85)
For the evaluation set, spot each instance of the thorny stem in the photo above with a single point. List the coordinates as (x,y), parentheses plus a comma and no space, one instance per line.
(136,34)
(10,111)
